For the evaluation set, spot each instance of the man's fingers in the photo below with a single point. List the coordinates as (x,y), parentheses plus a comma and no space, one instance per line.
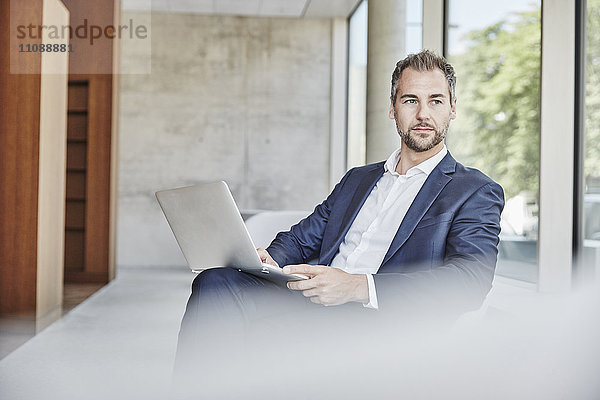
(318,300)
(315,300)
(310,293)
(302,285)
(305,269)
(265,257)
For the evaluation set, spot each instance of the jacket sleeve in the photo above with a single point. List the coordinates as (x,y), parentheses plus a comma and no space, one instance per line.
(302,242)
(465,276)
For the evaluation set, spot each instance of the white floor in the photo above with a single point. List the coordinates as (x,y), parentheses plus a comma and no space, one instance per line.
(119,344)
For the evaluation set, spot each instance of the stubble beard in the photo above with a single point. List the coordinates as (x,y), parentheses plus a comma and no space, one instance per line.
(412,142)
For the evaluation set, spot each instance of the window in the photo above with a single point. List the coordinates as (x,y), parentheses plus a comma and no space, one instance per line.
(495,49)
(357,86)
(414,26)
(591,195)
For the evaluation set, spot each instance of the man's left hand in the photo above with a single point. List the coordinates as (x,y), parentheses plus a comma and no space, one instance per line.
(329,286)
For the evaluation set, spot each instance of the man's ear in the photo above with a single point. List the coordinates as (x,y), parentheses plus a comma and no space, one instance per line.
(392,113)
(453,110)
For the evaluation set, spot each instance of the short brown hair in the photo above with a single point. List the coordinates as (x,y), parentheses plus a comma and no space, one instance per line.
(426,60)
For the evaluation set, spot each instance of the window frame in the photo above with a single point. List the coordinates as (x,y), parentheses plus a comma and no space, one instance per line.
(563,38)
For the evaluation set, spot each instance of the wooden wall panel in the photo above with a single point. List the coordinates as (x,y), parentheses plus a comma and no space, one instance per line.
(93,65)
(98,175)
(52,164)
(19,156)
(91,58)
(23,247)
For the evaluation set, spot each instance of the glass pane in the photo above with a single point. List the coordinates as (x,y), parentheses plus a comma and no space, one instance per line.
(591,197)
(357,87)
(495,49)
(414,26)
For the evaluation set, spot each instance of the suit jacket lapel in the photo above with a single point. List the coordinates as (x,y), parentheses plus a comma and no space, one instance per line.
(437,180)
(360,195)
(358,199)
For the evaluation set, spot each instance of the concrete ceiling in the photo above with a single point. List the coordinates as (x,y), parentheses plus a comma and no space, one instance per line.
(256,8)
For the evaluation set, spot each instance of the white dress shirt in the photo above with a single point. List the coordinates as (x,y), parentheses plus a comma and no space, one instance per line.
(378,220)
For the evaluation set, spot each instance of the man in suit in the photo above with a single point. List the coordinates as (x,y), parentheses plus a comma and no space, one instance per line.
(418,231)
(418,226)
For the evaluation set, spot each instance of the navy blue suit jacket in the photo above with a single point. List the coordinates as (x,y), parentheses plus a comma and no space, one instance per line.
(444,251)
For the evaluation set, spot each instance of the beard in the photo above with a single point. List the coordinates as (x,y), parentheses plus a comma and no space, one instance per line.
(414,142)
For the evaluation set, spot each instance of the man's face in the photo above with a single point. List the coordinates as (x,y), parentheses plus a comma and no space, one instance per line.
(423,109)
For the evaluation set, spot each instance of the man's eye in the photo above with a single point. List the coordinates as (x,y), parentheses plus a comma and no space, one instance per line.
(410,101)
(436,102)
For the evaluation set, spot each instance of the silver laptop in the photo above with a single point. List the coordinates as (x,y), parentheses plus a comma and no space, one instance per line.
(211,233)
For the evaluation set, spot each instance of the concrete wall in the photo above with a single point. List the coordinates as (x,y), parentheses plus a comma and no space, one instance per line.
(242,99)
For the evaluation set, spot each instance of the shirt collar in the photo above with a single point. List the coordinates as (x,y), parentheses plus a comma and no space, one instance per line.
(426,166)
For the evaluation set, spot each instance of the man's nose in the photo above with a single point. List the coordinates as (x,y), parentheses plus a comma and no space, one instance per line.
(423,112)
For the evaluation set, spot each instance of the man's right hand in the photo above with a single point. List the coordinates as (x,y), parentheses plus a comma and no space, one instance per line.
(265,257)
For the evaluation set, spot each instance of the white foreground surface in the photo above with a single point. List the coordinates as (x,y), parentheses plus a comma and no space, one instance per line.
(118,344)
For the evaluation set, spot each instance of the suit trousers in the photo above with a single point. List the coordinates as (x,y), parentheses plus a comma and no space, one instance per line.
(241,333)
(232,315)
